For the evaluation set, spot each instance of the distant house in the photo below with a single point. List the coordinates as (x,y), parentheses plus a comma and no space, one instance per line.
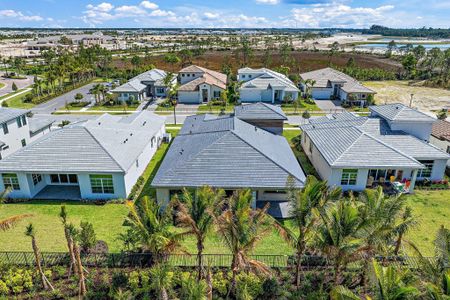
(440,136)
(328,83)
(146,85)
(18,130)
(264,85)
(355,152)
(98,159)
(265,116)
(200,85)
(226,152)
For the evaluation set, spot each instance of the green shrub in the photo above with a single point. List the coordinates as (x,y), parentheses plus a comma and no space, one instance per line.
(87,237)
(252,283)
(220,284)
(4,290)
(134,280)
(119,280)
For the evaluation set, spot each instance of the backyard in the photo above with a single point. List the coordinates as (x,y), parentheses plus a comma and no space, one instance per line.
(430,207)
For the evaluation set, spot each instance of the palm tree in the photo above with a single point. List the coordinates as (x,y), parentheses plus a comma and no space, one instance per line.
(240,228)
(69,239)
(196,213)
(313,196)
(336,234)
(153,227)
(402,226)
(390,283)
(8,223)
(74,234)
(37,256)
(161,280)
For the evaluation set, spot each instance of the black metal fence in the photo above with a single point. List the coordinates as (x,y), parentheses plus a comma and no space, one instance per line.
(123,260)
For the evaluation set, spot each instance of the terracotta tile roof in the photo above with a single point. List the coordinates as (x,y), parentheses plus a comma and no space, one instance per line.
(441,130)
(209,76)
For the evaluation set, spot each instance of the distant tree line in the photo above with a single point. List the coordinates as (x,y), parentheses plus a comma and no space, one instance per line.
(409,32)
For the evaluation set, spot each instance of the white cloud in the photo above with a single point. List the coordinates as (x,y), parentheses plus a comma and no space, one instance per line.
(336,14)
(130,10)
(103,7)
(149,5)
(269,2)
(210,15)
(9,13)
(161,13)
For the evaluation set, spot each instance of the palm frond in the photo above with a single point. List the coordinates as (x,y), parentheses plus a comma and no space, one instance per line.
(10,222)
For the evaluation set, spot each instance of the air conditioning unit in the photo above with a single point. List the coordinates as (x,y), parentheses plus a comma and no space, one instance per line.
(167,137)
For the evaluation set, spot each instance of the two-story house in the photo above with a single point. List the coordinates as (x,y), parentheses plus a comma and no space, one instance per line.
(200,85)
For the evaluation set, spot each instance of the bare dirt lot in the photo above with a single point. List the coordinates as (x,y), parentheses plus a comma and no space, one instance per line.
(303,61)
(425,98)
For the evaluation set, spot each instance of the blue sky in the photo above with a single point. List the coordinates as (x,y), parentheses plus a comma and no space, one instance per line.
(224,13)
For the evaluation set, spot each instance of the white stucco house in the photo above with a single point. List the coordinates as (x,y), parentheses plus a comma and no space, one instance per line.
(328,83)
(97,159)
(18,129)
(355,152)
(200,85)
(264,85)
(146,85)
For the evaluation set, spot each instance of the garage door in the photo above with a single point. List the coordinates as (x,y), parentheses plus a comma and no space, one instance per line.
(322,94)
(247,95)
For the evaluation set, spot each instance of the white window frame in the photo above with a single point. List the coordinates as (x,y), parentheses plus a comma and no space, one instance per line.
(11,180)
(37,178)
(101,183)
(426,173)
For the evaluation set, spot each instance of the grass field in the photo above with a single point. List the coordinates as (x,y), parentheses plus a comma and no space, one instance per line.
(425,98)
(113,108)
(1,85)
(16,101)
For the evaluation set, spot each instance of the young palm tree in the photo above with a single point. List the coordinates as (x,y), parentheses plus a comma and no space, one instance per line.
(153,228)
(9,222)
(69,239)
(73,232)
(336,234)
(37,256)
(161,280)
(390,283)
(303,202)
(402,226)
(196,213)
(240,227)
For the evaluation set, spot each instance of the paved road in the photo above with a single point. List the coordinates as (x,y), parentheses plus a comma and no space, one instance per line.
(20,83)
(59,102)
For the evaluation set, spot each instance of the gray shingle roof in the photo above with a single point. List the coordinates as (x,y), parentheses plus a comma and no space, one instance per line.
(400,112)
(259,111)
(228,154)
(105,144)
(37,123)
(7,114)
(368,142)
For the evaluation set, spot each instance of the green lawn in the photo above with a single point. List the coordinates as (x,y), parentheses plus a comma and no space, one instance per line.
(16,101)
(432,209)
(289,108)
(1,85)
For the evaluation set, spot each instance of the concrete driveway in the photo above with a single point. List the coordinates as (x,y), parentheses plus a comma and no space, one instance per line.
(329,105)
(20,83)
(60,101)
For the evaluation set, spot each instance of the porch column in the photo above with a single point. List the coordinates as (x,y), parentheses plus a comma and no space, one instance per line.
(413,181)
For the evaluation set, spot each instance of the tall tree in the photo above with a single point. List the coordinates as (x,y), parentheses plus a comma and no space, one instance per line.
(69,240)
(240,227)
(195,212)
(303,203)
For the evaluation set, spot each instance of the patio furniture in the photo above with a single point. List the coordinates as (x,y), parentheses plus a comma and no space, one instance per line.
(382,180)
(370,181)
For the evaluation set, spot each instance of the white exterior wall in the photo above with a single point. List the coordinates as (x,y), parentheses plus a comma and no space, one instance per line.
(361,180)
(189,97)
(421,130)
(14,137)
(136,169)
(439,169)
(316,158)
(127,96)
(321,93)
(86,191)
(443,145)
